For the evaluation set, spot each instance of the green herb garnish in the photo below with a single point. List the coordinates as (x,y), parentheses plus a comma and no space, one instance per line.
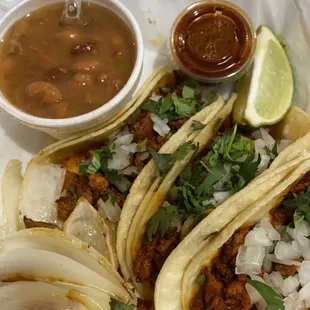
(274,301)
(197,125)
(141,146)
(301,204)
(166,161)
(117,305)
(98,162)
(162,219)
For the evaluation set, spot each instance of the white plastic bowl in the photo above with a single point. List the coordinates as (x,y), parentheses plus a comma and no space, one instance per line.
(61,128)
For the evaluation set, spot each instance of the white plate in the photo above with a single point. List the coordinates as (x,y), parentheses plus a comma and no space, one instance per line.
(155,18)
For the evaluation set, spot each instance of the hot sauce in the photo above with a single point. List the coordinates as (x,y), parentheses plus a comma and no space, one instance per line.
(213,41)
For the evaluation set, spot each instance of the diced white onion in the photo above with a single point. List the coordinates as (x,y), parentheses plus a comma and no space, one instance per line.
(263,165)
(267,264)
(290,284)
(260,145)
(274,259)
(276,279)
(166,204)
(221,196)
(250,259)
(268,139)
(302,245)
(160,125)
(111,211)
(286,251)
(131,148)
(292,302)
(120,160)
(272,233)
(144,156)
(131,170)
(257,236)
(304,273)
(255,296)
(155,97)
(304,293)
(302,230)
(124,139)
(209,202)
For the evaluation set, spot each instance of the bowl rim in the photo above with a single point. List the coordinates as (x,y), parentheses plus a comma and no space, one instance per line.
(92,115)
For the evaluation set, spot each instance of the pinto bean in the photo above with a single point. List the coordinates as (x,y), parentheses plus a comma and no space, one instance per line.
(88,64)
(47,91)
(69,34)
(83,78)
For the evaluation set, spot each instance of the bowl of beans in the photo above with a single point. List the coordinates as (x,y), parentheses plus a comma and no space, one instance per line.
(66,78)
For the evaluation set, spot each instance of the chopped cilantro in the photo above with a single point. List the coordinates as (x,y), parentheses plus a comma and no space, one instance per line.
(112,197)
(117,305)
(166,105)
(215,174)
(141,146)
(184,107)
(188,92)
(99,161)
(273,153)
(162,161)
(273,300)
(166,161)
(201,279)
(162,219)
(301,204)
(197,125)
(149,106)
(183,150)
(210,97)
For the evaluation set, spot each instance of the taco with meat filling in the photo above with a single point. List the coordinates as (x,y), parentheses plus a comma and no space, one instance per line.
(222,167)
(80,185)
(261,259)
(249,241)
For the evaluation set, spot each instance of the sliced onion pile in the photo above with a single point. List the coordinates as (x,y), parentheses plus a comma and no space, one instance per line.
(264,245)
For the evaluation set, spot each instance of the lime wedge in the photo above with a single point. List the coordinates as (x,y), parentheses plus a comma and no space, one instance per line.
(265,95)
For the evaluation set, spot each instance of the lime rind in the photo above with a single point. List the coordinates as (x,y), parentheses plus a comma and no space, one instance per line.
(270,72)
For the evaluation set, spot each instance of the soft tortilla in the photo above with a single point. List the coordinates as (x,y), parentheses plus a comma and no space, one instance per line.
(169,289)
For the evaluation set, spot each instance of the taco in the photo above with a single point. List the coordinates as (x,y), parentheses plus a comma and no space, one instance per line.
(176,286)
(193,189)
(81,184)
(261,259)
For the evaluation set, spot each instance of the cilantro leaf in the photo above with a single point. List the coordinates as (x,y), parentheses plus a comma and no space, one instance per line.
(188,92)
(183,107)
(183,150)
(162,160)
(141,146)
(117,305)
(149,106)
(249,167)
(215,175)
(99,161)
(166,161)
(273,300)
(166,105)
(162,219)
(197,125)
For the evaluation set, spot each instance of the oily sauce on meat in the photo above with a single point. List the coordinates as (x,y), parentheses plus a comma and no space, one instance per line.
(51,70)
(213,40)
